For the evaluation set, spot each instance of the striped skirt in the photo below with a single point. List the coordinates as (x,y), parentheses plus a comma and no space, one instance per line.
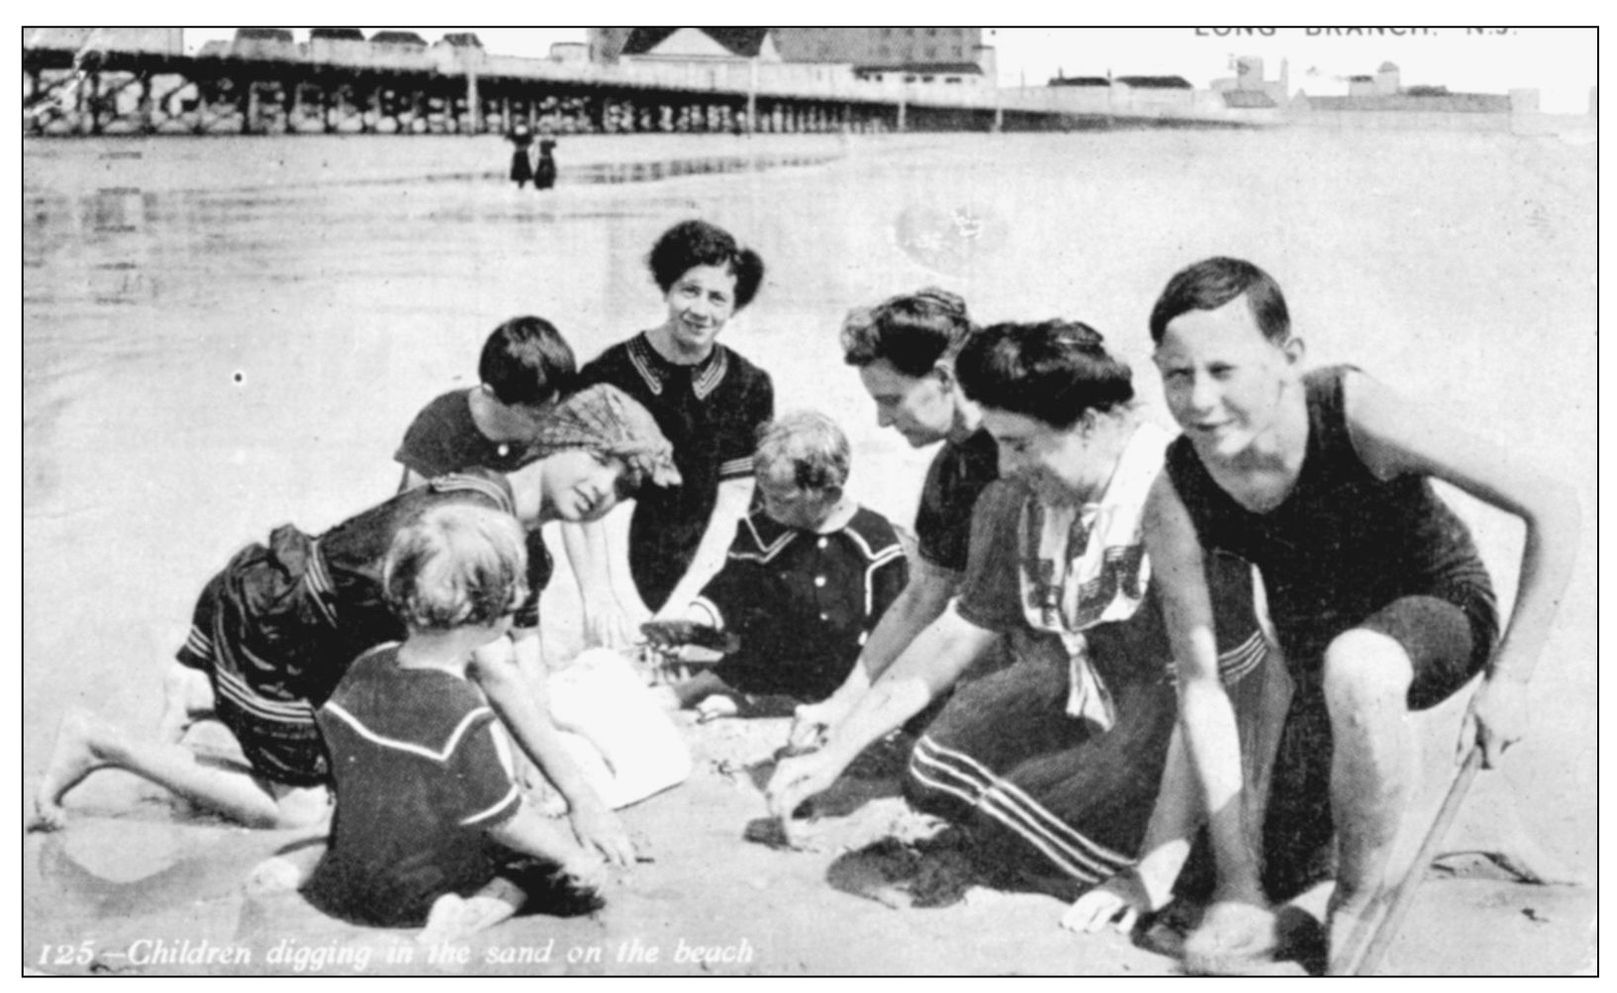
(1052,796)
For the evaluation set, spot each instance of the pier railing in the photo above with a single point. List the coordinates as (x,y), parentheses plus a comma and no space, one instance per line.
(255,86)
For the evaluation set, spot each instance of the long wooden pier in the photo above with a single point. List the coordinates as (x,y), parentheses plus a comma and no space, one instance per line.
(361,87)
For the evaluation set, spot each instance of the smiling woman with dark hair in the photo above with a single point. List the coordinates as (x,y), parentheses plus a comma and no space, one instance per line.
(708,400)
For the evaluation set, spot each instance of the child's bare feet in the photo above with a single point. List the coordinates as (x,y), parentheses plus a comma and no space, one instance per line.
(77,753)
(1234,938)
(446,921)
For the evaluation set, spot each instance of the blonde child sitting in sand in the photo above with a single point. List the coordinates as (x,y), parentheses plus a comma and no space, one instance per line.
(431,828)
(808,575)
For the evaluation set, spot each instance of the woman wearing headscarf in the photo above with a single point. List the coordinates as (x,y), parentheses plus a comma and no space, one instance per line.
(274,632)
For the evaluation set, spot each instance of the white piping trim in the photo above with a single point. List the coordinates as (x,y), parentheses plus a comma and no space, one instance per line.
(491,811)
(406,746)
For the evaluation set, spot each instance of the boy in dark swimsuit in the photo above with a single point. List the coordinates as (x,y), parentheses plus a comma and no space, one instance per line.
(1382,606)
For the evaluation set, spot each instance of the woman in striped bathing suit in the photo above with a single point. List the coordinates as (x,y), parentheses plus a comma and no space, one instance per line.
(277,629)
(1052,766)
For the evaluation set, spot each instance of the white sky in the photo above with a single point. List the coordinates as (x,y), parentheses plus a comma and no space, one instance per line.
(1560,62)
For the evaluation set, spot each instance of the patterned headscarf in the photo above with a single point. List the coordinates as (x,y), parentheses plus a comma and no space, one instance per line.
(606,420)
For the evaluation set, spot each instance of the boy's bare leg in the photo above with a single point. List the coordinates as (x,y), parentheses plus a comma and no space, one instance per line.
(1367,677)
(187,698)
(454,918)
(85,743)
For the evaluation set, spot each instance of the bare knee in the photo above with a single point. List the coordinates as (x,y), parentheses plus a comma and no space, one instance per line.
(1367,675)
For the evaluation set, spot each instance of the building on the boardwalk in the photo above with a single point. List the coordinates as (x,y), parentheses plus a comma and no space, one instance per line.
(889,46)
(408,40)
(1382,101)
(944,55)
(698,44)
(1249,89)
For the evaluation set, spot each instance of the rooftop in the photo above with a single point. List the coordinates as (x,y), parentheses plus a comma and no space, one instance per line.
(745,42)
(1156,82)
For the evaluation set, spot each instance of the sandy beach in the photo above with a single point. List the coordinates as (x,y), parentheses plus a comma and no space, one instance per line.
(222,334)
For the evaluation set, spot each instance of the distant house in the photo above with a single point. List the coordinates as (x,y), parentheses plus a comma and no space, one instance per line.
(700,44)
(336,34)
(925,72)
(1080,81)
(884,54)
(1248,100)
(1155,82)
(338,45)
(399,39)
(1249,78)
(263,43)
(1384,92)
(282,35)
(572,52)
(888,46)
(462,39)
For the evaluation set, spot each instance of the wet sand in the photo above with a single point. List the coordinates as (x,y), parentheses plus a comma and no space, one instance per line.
(222,335)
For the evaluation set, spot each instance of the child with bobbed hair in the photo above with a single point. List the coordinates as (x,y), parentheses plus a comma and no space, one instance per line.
(430,826)
(809,574)
(524,368)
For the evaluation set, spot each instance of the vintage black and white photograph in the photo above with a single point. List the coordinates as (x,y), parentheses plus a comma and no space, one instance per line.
(886,500)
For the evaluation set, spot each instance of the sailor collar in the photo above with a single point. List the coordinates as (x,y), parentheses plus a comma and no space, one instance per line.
(656,370)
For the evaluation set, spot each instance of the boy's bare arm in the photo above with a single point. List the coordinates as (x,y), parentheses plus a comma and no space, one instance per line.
(522,703)
(1393,436)
(1207,719)
(529,833)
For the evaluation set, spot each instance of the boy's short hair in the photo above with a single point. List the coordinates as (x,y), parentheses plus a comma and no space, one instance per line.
(455,565)
(811,444)
(689,244)
(527,361)
(1212,283)
(1053,372)
(912,332)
